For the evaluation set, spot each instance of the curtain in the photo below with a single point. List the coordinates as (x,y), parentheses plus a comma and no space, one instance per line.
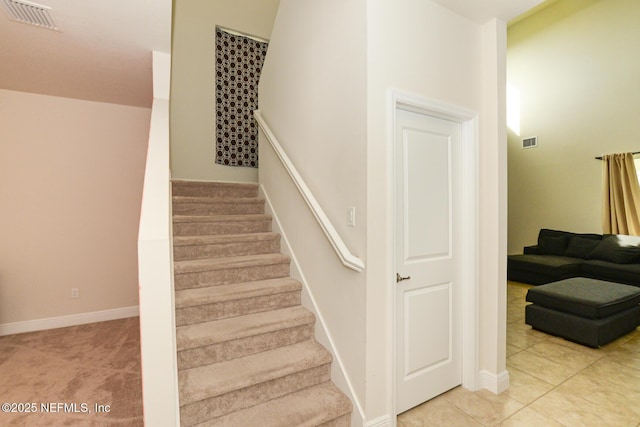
(621,195)
(239,61)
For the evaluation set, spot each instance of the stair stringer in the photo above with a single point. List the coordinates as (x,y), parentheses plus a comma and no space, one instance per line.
(322,335)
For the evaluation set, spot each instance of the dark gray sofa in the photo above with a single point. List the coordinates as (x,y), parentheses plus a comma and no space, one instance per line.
(561,255)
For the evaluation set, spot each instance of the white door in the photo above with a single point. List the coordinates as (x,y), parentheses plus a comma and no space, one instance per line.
(428,318)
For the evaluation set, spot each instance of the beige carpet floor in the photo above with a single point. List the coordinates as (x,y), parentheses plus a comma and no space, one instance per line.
(69,371)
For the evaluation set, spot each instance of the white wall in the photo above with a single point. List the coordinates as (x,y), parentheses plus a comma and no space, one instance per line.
(71,184)
(325,95)
(576,66)
(493,211)
(313,96)
(425,49)
(157,320)
(193,81)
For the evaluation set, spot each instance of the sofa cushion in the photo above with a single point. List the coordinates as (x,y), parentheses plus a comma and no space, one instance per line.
(535,263)
(619,249)
(580,247)
(590,298)
(545,232)
(623,273)
(552,245)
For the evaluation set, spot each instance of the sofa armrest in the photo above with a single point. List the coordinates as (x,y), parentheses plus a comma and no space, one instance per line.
(531,250)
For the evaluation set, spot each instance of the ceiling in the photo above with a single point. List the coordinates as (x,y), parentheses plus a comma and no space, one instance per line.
(102,51)
(481,11)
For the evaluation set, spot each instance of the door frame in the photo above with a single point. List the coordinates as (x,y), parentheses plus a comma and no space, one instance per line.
(468,120)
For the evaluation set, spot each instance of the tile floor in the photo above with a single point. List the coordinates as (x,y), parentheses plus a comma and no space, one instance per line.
(553,382)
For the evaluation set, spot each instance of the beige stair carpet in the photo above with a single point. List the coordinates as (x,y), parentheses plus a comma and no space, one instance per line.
(247,355)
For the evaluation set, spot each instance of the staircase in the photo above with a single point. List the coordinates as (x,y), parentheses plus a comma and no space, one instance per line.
(246,349)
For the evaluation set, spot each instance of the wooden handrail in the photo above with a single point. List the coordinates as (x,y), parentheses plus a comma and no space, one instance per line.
(348,259)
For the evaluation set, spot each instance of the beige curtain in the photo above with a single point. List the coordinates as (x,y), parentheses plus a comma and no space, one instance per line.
(621,195)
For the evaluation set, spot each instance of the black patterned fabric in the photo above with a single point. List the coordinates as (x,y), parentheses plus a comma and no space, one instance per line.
(239,61)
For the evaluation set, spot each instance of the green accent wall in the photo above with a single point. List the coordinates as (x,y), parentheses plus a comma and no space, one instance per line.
(576,68)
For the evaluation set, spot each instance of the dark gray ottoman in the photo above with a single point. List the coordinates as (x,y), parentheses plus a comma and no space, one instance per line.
(588,311)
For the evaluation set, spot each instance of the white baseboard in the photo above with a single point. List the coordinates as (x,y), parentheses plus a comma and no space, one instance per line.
(494,383)
(384,421)
(71,320)
(342,380)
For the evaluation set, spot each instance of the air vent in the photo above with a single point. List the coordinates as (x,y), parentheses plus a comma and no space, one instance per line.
(30,13)
(530,142)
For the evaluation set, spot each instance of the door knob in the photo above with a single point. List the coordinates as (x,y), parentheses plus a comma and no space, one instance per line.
(399,278)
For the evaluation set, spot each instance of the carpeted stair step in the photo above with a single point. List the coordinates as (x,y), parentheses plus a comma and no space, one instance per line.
(217,206)
(198,247)
(215,390)
(217,302)
(198,225)
(320,405)
(226,339)
(223,271)
(213,189)
(245,346)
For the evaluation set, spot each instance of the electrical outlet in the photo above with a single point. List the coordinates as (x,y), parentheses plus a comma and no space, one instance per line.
(75,293)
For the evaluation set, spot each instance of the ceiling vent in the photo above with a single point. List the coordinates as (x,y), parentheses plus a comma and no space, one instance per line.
(530,142)
(30,13)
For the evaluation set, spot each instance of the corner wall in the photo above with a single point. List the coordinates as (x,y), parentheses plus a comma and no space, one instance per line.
(193,82)
(417,47)
(493,211)
(422,48)
(313,97)
(576,66)
(71,176)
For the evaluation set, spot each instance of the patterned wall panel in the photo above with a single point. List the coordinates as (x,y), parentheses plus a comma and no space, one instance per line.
(239,61)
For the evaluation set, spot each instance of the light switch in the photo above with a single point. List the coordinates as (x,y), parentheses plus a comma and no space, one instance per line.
(351,216)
